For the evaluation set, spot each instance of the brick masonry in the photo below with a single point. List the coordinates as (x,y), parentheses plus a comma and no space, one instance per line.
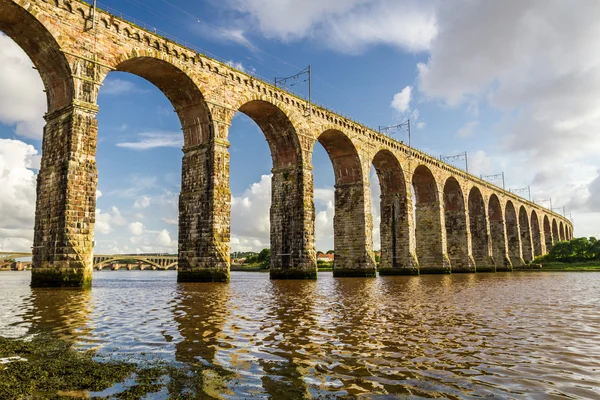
(455,223)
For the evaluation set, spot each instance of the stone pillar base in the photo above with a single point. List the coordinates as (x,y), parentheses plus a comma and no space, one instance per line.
(203,275)
(61,277)
(354,272)
(485,265)
(441,267)
(293,273)
(466,268)
(506,266)
(399,271)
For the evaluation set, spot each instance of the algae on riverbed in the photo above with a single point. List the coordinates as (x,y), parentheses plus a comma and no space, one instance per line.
(49,368)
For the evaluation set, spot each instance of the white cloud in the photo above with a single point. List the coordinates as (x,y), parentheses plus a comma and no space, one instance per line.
(401,101)
(349,26)
(22,98)
(104,221)
(142,202)
(17,202)
(468,129)
(169,221)
(136,228)
(152,140)
(250,220)
(164,238)
(98,194)
(116,86)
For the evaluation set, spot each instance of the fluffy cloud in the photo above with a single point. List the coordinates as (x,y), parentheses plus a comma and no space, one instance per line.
(250,224)
(115,86)
(152,140)
(401,101)
(142,202)
(22,98)
(136,228)
(528,59)
(17,202)
(343,25)
(468,129)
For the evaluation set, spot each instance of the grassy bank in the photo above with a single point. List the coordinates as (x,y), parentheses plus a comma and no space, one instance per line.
(49,368)
(575,267)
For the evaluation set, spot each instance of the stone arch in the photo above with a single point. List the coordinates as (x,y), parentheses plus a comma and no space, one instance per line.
(561,231)
(183,93)
(203,238)
(536,235)
(352,215)
(526,235)
(548,234)
(351,220)
(480,237)
(429,231)
(43,50)
(498,235)
(278,129)
(457,236)
(397,256)
(555,236)
(513,234)
(291,219)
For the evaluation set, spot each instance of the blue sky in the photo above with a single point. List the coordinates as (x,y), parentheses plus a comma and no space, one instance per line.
(516,87)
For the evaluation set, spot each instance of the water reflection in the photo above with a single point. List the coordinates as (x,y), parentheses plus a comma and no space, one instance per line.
(503,335)
(200,313)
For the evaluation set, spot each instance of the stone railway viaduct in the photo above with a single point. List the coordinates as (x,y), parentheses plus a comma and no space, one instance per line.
(460,223)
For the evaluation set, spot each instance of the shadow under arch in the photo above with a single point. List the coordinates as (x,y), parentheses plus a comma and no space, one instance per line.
(513,236)
(548,234)
(526,235)
(352,237)
(429,232)
(397,254)
(555,236)
(498,235)
(291,215)
(43,50)
(480,236)
(536,234)
(561,230)
(457,237)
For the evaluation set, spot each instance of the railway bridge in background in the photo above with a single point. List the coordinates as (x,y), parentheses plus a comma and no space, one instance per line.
(460,223)
(116,261)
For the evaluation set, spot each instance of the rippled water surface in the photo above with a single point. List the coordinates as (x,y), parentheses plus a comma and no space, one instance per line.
(504,335)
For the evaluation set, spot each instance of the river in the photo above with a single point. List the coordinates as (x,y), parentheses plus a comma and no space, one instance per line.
(505,335)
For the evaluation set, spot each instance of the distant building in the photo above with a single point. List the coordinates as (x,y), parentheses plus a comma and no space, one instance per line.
(325,257)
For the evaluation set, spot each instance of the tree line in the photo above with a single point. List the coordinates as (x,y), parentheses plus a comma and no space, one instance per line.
(575,250)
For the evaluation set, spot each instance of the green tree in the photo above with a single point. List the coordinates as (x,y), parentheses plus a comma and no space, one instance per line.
(330,252)
(264,257)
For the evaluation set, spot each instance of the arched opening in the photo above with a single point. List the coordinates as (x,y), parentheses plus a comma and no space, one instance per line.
(513,235)
(431,252)
(62,246)
(291,215)
(549,240)
(203,241)
(457,240)
(394,229)
(43,50)
(555,236)
(561,230)
(498,235)
(536,235)
(351,220)
(480,237)
(526,237)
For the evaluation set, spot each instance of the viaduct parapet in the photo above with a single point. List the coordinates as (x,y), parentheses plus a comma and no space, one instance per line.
(459,224)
